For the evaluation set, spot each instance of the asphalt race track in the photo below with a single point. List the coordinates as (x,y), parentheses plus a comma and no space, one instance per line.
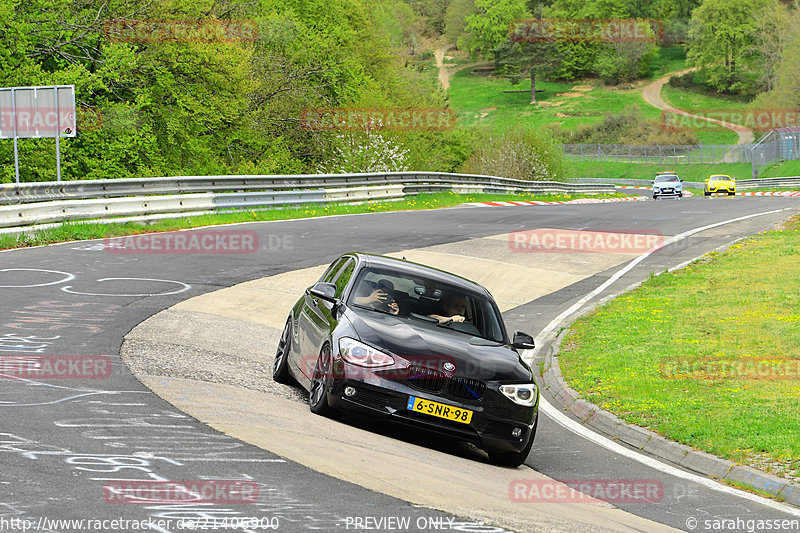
(65,442)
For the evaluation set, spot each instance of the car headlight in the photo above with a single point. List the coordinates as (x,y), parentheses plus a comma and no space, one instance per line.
(523,394)
(360,354)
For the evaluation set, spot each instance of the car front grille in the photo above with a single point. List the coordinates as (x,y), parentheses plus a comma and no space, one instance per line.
(427,379)
(467,389)
(432,380)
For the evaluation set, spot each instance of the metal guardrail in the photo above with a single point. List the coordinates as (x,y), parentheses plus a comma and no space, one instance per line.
(46,202)
(791,181)
(740,184)
(639,183)
(70,190)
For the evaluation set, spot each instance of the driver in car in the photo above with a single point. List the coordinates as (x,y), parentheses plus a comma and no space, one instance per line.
(380,297)
(454,308)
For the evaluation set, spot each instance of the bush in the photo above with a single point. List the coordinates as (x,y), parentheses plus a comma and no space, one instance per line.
(628,127)
(518,153)
(364,152)
(442,151)
(697,81)
(625,61)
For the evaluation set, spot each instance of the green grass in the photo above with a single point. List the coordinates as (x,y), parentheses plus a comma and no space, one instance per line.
(702,103)
(784,169)
(727,306)
(697,102)
(668,59)
(472,96)
(611,170)
(75,231)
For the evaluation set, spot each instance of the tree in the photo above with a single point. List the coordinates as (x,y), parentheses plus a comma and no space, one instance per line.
(518,60)
(488,26)
(776,28)
(721,38)
(455,20)
(626,60)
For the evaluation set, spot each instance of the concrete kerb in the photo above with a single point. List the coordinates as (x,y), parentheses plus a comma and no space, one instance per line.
(606,423)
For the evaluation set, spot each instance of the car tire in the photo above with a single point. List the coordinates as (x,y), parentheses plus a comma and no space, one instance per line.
(680,195)
(731,194)
(320,382)
(514,459)
(655,197)
(706,193)
(280,368)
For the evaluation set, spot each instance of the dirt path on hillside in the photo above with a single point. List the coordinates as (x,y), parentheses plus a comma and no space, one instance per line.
(447,71)
(652,95)
(444,74)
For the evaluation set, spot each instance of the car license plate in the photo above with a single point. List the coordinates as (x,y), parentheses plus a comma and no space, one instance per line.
(440,410)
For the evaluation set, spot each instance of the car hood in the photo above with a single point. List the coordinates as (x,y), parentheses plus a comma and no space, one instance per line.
(432,346)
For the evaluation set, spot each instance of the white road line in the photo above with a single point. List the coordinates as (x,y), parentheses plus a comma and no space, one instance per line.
(561,419)
(627,268)
(569,424)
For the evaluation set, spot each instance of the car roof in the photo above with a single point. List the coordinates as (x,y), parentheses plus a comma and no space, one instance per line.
(667,172)
(720,176)
(409,267)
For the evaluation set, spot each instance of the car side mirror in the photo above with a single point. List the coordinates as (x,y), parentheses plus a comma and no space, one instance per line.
(522,341)
(324,291)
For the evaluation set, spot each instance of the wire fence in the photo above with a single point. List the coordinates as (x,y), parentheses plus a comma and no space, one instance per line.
(659,154)
(775,146)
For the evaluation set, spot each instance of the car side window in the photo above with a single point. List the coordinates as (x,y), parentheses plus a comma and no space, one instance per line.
(344,277)
(329,274)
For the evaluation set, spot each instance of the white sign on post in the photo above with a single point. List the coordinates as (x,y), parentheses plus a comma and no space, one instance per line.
(36,112)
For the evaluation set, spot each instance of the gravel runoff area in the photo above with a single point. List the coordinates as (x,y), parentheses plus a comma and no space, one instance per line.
(182,344)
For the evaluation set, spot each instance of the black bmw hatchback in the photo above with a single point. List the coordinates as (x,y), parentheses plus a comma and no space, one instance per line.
(417,345)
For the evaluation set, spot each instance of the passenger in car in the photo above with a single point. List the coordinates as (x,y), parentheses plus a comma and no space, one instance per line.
(454,307)
(378,295)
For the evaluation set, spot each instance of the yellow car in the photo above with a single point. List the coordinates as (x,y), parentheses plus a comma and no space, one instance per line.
(720,183)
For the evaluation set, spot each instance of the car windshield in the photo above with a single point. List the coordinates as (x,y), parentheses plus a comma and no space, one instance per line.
(667,178)
(427,302)
(720,178)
